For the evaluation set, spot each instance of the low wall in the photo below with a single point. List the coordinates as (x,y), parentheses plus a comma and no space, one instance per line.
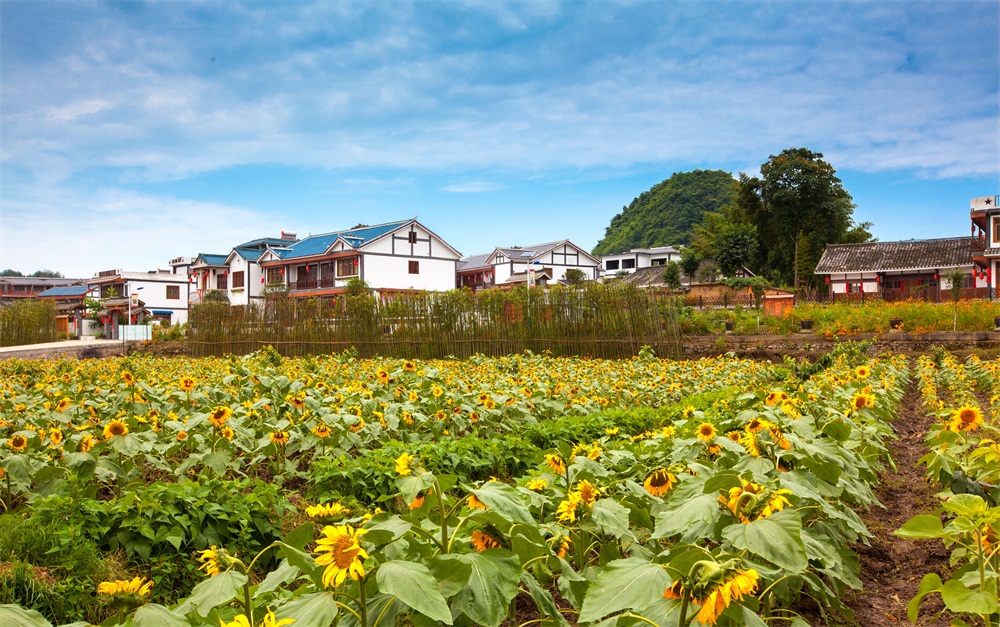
(81,349)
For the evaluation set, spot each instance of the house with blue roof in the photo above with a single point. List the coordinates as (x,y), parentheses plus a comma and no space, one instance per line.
(396,256)
(513,265)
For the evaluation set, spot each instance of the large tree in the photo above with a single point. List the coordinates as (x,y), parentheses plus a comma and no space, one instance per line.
(798,201)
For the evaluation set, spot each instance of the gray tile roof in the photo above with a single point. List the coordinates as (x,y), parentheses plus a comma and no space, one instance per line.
(909,255)
(473,262)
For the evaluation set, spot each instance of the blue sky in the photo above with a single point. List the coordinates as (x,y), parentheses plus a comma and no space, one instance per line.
(135,132)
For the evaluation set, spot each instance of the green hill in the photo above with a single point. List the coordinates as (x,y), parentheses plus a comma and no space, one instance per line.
(663,215)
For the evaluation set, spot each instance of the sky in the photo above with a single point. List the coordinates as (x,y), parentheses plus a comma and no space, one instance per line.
(136,132)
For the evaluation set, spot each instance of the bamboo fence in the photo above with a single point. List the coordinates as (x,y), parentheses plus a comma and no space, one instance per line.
(28,322)
(598,321)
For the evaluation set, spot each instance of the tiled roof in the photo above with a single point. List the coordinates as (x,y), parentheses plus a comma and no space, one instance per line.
(473,262)
(909,255)
(211,259)
(650,276)
(73,290)
(253,254)
(356,238)
(261,242)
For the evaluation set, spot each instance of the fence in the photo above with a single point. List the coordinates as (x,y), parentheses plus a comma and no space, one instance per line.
(28,322)
(597,321)
(929,295)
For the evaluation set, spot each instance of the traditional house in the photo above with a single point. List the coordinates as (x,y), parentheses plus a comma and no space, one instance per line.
(514,264)
(985,214)
(71,310)
(636,258)
(397,256)
(909,269)
(164,294)
(246,277)
(14,287)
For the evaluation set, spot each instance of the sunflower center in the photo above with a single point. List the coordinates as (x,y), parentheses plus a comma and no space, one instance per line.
(968,416)
(345,551)
(659,479)
(116,428)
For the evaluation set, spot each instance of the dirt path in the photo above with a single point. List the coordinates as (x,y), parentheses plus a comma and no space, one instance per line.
(891,568)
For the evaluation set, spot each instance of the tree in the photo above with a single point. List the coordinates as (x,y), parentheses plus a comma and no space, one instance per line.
(672,275)
(798,192)
(690,261)
(10,272)
(49,274)
(575,276)
(666,212)
(735,247)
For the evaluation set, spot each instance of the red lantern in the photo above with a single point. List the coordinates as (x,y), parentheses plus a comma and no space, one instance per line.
(826,279)
(935,275)
(261,279)
(282,270)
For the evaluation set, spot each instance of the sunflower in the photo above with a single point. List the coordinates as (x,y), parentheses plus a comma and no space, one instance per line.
(279,437)
(403,464)
(706,432)
(773,398)
(331,511)
(588,493)
(297,402)
(437,391)
(537,484)
(227,433)
(484,540)
(660,482)
(321,431)
(418,501)
(475,504)
(556,463)
(862,400)
(56,436)
(862,372)
(269,620)
(966,418)
(113,428)
(87,442)
(566,512)
(562,546)
(209,559)
(440,414)
(731,589)
(219,416)
(63,404)
(128,378)
(18,443)
(187,384)
(138,586)
(611,431)
(339,549)
(409,366)
(382,375)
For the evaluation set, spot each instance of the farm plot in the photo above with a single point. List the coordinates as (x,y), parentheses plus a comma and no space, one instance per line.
(525,489)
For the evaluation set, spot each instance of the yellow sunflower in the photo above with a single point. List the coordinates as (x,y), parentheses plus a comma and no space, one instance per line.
(279,437)
(330,511)
(321,431)
(731,589)
(706,432)
(588,493)
(660,482)
(63,404)
(339,549)
(209,559)
(187,384)
(562,546)
(537,485)
(556,463)
(475,504)
(966,418)
(138,586)
(484,540)
(219,416)
(862,400)
(566,512)
(87,442)
(18,443)
(403,464)
(113,428)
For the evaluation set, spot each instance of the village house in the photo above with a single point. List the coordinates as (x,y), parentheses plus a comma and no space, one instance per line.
(17,287)
(636,258)
(71,310)
(391,257)
(521,264)
(160,295)
(234,274)
(899,270)
(985,216)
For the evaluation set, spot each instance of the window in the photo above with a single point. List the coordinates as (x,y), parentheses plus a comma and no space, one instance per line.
(174,292)
(414,267)
(275,275)
(628,264)
(221,282)
(412,236)
(347,267)
(238,280)
(611,264)
(996,231)
(658,262)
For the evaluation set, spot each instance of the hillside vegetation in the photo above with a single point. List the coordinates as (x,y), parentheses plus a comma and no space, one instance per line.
(664,215)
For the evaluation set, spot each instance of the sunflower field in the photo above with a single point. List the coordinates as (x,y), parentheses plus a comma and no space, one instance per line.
(519,490)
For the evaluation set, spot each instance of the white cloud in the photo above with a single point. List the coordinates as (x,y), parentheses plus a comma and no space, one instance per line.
(473,187)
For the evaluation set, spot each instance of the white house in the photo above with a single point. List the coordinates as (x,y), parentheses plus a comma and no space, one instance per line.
(636,258)
(397,256)
(985,214)
(511,264)
(163,294)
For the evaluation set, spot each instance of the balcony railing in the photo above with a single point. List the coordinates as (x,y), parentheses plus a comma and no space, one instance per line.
(307,284)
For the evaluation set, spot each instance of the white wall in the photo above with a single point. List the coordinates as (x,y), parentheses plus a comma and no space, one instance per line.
(154,295)
(391,272)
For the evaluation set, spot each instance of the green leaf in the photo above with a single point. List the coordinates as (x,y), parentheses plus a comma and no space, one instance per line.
(217,461)
(303,561)
(217,590)
(778,540)
(386,531)
(16,616)
(751,618)
(412,485)
(492,584)
(838,430)
(624,584)
(543,600)
(300,536)
(921,526)
(611,517)
(958,598)
(154,615)
(504,500)
(415,586)
(278,577)
(969,505)
(318,609)
(694,518)
(451,572)
(930,583)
